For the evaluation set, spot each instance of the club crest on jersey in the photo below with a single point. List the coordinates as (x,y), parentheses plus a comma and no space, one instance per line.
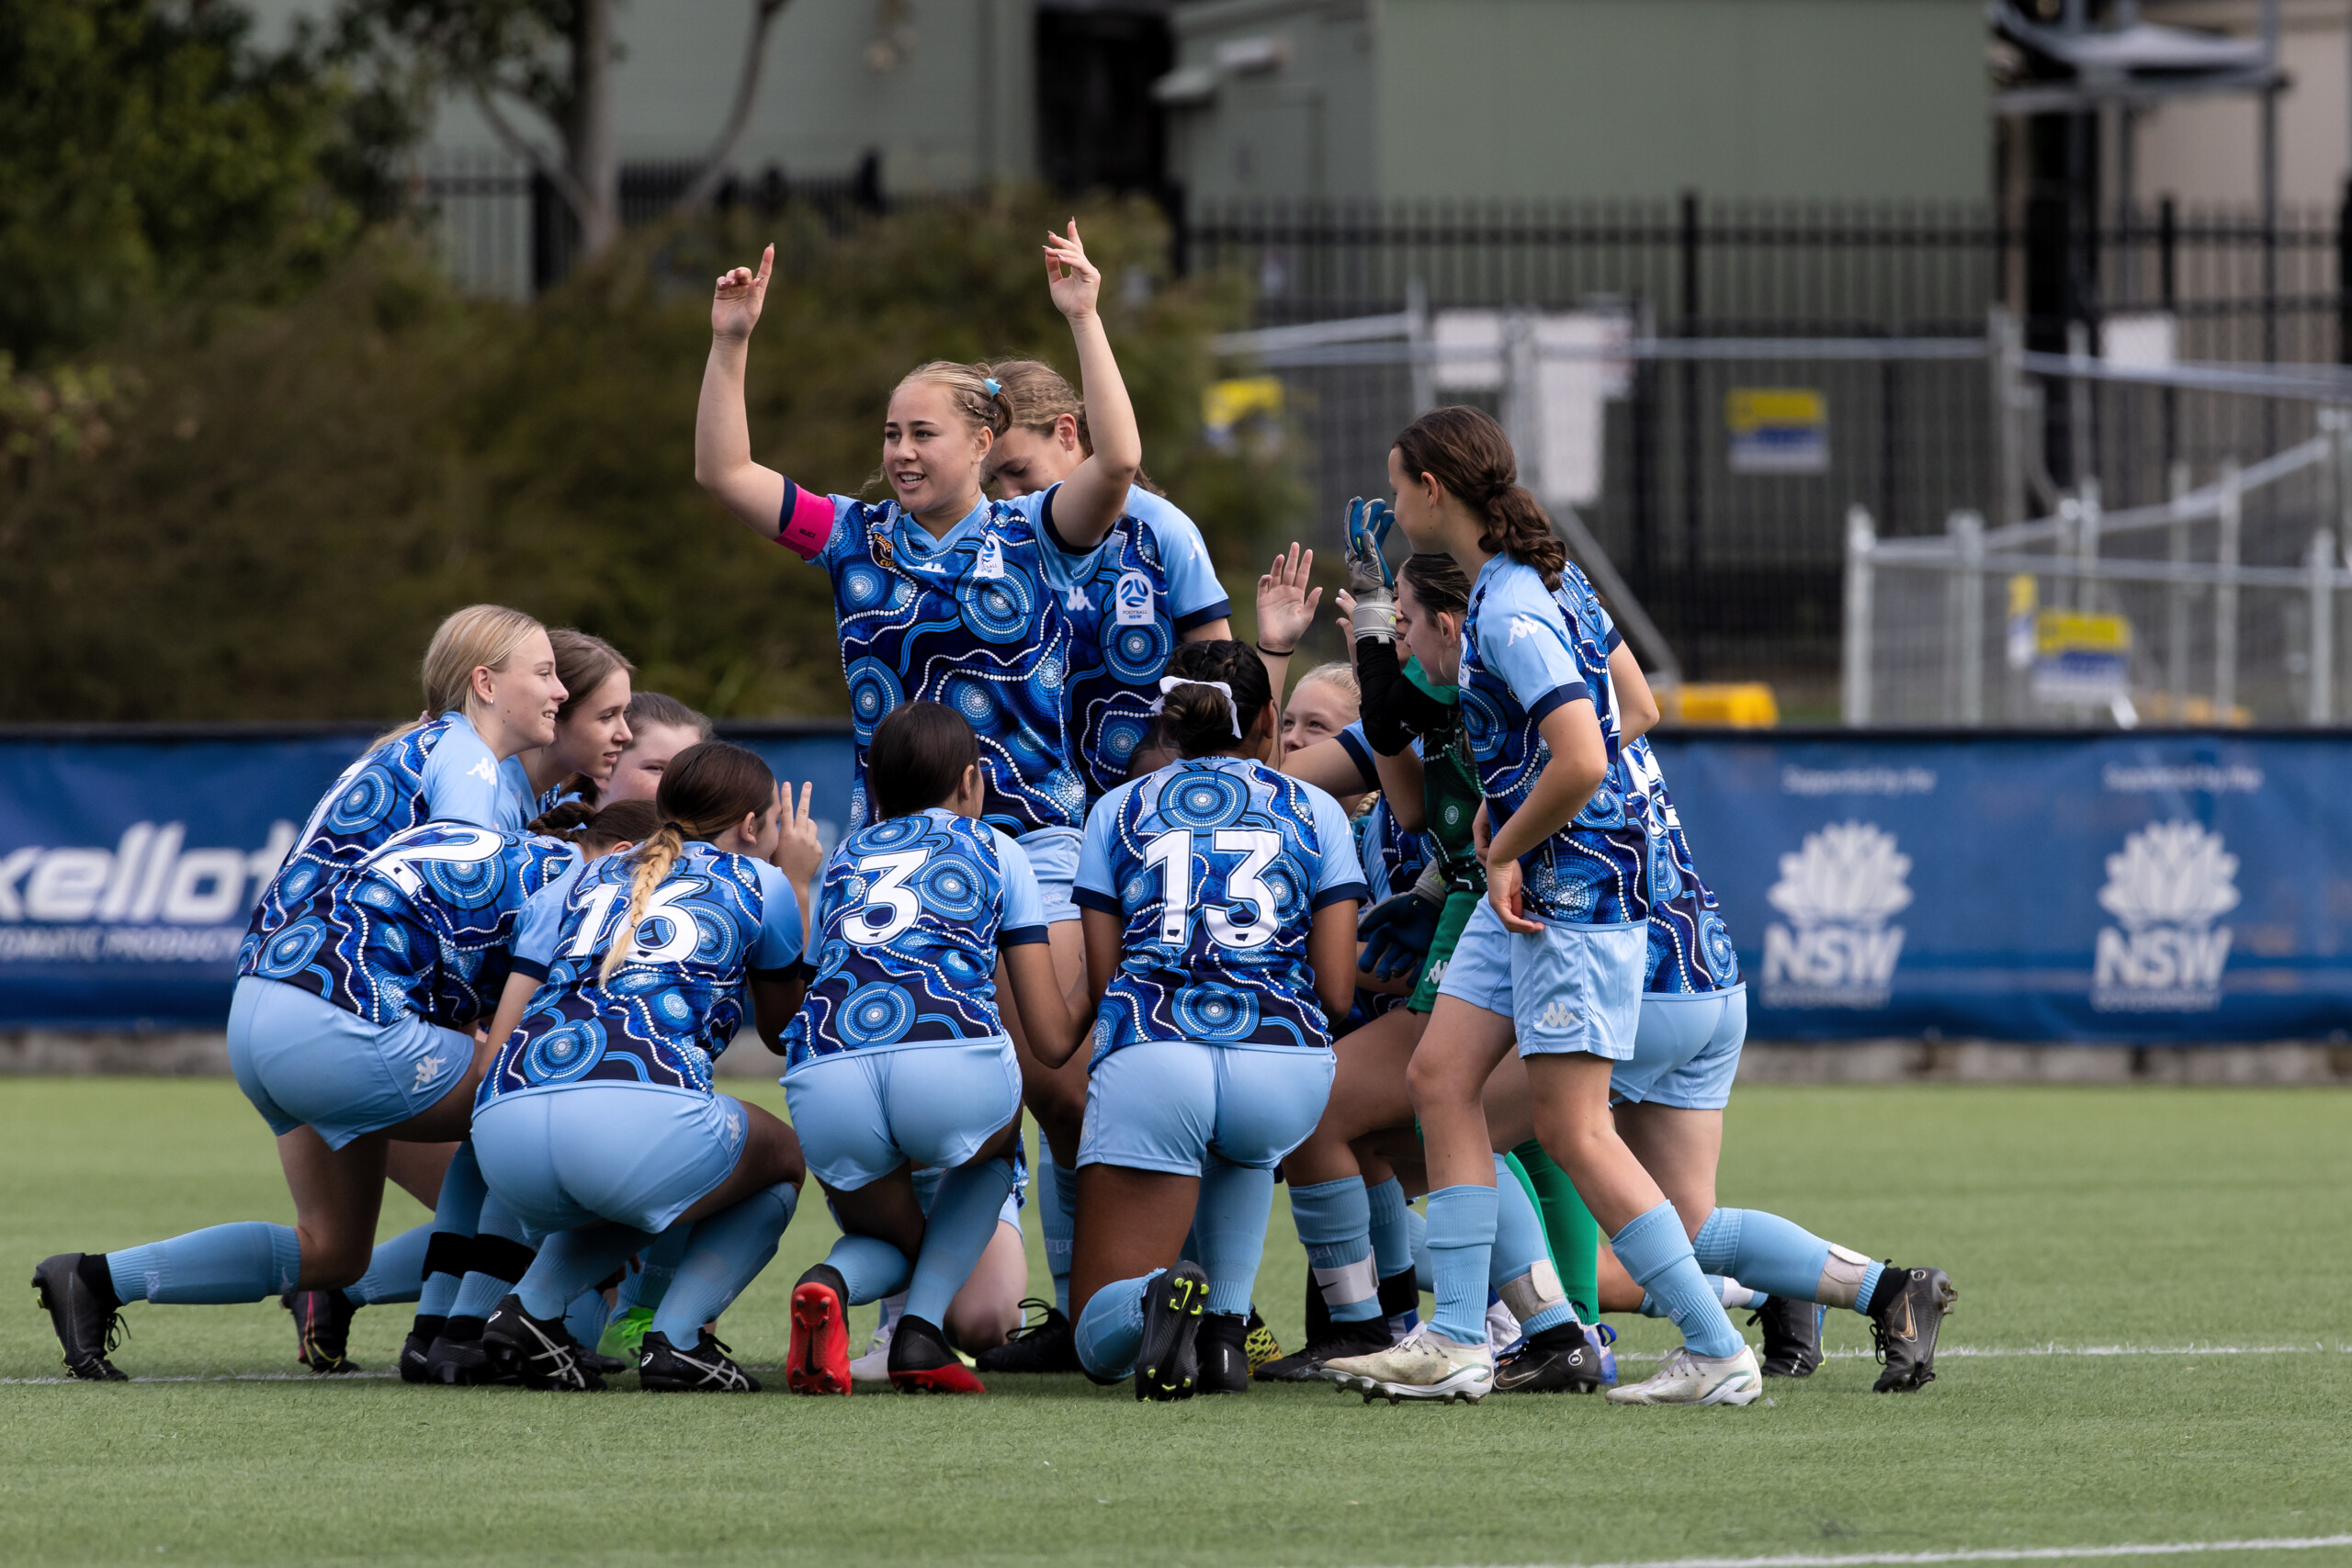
(1133,596)
(992,561)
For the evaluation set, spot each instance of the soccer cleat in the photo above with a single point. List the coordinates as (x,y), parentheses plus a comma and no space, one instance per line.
(1345,1339)
(1791,1336)
(416,1351)
(1503,1334)
(458,1357)
(1223,1350)
(1686,1379)
(1047,1346)
(1905,1321)
(1168,1363)
(1600,1337)
(624,1337)
(1560,1359)
(540,1350)
(874,1365)
(922,1362)
(84,1311)
(322,1329)
(1259,1342)
(1425,1364)
(818,1361)
(662,1368)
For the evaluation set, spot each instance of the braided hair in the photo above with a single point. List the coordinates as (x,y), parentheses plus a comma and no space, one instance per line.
(1465,450)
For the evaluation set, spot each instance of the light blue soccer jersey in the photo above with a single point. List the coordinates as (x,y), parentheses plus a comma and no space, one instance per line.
(439,772)
(1216,867)
(1691,948)
(422,927)
(1524,653)
(968,620)
(1129,600)
(910,918)
(716,920)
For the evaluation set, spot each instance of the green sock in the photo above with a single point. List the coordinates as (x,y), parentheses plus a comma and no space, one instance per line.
(1568,1226)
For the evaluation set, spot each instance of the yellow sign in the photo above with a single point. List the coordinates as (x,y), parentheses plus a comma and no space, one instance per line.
(2076,631)
(1778,430)
(1227,403)
(1750,409)
(2025,593)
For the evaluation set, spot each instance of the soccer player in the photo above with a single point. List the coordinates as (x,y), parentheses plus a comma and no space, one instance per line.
(1556,955)
(591,727)
(1326,701)
(597,1119)
(899,1059)
(660,727)
(1220,902)
(352,1027)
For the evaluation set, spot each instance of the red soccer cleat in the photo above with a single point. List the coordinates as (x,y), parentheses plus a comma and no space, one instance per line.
(920,1361)
(818,1361)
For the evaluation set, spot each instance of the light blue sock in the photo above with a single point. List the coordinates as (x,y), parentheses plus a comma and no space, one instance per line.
(1390,1219)
(1462,1234)
(1520,1246)
(1417,1230)
(1867,1295)
(728,1252)
(250,1260)
(870,1268)
(1110,1331)
(395,1269)
(1231,1224)
(1058,1215)
(645,1285)
(962,1223)
(455,1217)
(1656,1253)
(1334,1219)
(584,1320)
(570,1262)
(480,1290)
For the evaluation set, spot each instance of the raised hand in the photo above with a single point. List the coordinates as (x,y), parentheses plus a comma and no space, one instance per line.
(1287,605)
(735,305)
(1372,586)
(799,851)
(1075,283)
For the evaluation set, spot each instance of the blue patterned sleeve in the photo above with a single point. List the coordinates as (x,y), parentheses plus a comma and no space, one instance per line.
(1339,874)
(778,947)
(1525,640)
(463,782)
(1095,888)
(1023,918)
(541,925)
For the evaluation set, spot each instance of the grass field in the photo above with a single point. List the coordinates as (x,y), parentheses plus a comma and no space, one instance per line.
(2203,1233)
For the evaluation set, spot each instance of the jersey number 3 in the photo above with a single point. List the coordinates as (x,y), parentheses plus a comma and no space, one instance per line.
(1172,852)
(891,905)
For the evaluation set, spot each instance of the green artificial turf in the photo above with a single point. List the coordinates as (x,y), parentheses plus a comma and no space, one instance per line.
(2206,1222)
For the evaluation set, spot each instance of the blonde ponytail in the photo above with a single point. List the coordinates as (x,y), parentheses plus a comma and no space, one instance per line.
(706,789)
(480,636)
(651,862)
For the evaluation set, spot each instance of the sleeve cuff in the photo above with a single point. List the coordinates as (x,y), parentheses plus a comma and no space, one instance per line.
(1018,936)
(1361,755)
(1557,697)
(1045,523)
(1219,611)
(525,967)
(1616,639)
(1358,891)
(1088,898)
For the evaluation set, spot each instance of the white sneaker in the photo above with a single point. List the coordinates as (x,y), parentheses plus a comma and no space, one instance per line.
(1687,1379)
(1425,1364)
(1503,1329)
(874,1365)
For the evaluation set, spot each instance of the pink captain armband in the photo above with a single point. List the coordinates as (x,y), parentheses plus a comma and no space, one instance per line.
(807,521)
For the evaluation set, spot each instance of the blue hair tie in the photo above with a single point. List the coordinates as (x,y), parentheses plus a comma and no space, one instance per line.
(992,384)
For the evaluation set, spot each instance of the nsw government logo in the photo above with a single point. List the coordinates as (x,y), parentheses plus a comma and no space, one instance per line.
(1839,892)
(2171,882)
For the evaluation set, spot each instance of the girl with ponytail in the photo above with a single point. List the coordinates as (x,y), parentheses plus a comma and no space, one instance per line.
(597,1118)
(1220,900)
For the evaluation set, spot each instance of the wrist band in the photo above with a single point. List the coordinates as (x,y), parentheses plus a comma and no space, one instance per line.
(1276,652)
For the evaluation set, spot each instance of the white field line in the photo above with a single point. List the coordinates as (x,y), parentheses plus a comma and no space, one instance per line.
(1995,1554)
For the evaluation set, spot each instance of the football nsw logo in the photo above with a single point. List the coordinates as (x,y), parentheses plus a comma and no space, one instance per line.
(1838,893)
(2166,889)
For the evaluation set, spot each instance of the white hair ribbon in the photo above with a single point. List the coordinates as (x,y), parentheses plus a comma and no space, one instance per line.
(1232,710)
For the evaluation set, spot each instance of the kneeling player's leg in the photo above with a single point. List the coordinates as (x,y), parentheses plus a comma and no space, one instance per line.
(1150,1112)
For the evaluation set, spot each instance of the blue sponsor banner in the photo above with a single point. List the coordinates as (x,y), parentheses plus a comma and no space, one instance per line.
(131,857)
(2147,888)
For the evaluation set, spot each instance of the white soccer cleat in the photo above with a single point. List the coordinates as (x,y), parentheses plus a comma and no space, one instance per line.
(1687,1379)
(1425,1364)
(1503,1329)
(874,1365)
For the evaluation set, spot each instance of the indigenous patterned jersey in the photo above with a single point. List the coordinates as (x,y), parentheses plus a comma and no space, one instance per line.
(910,918)
(439,772)
(1215,866)
(675,1002)
(424,927)
(1128,598)
(968,620)
(1525,653)
(1691,948)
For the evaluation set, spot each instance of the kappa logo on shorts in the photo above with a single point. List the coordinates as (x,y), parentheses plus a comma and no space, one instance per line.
(425,1071)
(1559,1015)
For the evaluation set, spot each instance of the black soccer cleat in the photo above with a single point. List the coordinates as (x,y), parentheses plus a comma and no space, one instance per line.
(1791,1336)
(1907,1311)
(921,1361)
(322,1329)
(1342,1339)
(1047,1346)
(1559,1360)
(72,1287)
(662,1368)
(1223,1350)
(416,1358)
(1168,1363)
(540,1350)
(458,1357)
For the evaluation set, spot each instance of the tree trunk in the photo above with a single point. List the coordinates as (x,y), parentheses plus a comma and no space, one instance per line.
(588,140)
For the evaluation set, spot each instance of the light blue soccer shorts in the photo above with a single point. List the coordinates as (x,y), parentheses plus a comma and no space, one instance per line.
(304,1061)
(1687,1051)
(862,1115)
(1169,1104)
(1053,855)
(635,1153)
(1565,988)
